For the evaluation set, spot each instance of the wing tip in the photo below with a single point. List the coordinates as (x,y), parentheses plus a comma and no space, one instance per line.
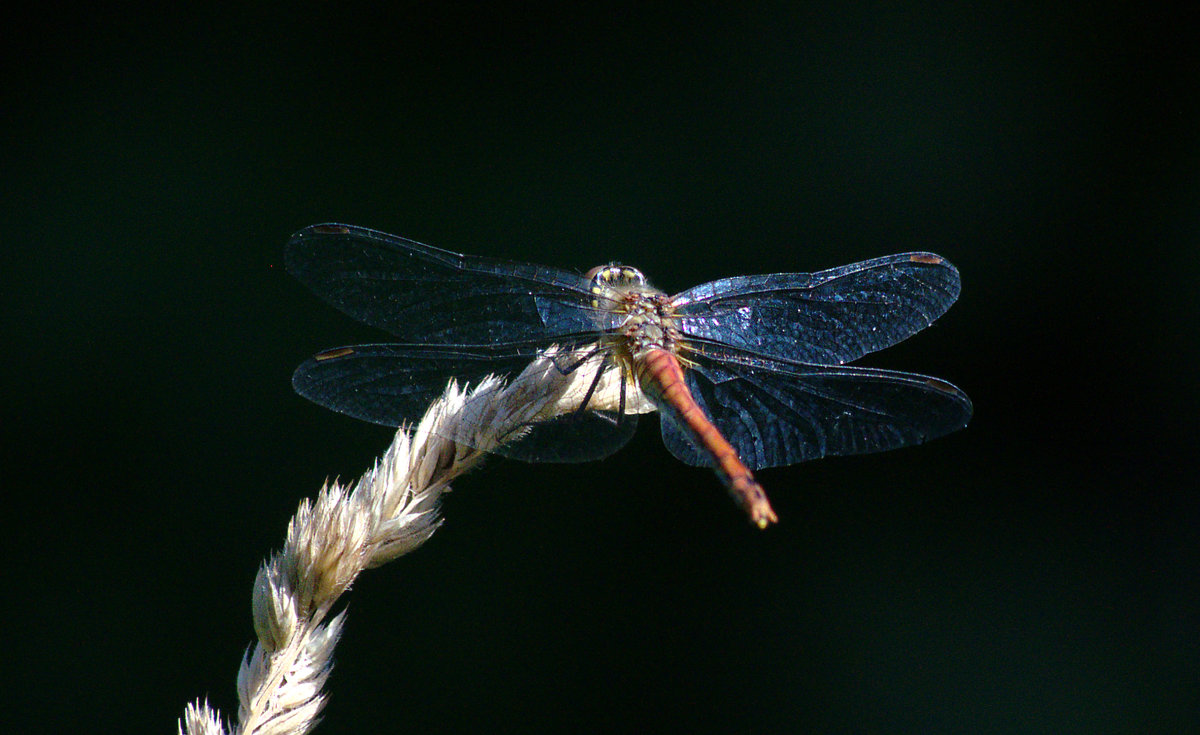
(954,392)
(930,259)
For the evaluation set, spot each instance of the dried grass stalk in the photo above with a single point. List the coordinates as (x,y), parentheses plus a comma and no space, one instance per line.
(389,511)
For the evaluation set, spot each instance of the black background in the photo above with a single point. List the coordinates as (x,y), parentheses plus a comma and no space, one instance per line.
(1036,572)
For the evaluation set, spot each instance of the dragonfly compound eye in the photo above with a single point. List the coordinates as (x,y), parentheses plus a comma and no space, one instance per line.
(611,282)
(605,277)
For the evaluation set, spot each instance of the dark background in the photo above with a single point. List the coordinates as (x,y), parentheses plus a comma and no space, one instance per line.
(1036,572)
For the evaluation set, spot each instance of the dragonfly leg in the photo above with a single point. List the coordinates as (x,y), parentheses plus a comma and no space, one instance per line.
(587,397)
(568,369)
(621,400)
(605,415)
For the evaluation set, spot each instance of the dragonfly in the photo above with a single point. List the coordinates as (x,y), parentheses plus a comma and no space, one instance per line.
(746,372)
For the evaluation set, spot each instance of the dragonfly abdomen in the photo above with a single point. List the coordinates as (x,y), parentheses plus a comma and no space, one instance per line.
(661,378)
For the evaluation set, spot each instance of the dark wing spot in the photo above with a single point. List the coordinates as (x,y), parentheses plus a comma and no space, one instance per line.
(331,230)
(928,258)
(333,354)
(940,385)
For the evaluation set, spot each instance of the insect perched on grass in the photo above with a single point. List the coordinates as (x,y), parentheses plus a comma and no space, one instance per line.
(746,372)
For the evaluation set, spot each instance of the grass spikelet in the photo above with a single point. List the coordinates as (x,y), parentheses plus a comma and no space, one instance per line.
(389,511)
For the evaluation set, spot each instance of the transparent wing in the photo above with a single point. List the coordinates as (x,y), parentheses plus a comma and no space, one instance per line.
(776,413)
(576,410)
(430,296)
(824,318)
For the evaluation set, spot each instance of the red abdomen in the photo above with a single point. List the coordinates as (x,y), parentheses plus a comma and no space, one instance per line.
(661,378)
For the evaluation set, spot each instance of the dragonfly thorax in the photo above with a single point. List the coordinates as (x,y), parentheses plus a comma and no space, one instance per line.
(639,317)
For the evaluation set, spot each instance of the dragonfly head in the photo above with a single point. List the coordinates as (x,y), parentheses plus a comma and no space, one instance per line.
(615,275)
(610,282)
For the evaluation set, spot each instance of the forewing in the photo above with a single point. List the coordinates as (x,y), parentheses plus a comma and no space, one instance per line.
(392,384)
(430,296)
(777,413)
(825,318)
